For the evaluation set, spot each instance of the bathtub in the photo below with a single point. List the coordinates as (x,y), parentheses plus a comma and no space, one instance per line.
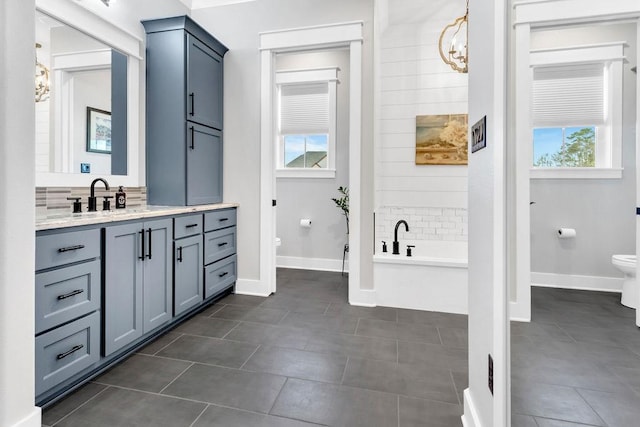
(435,278)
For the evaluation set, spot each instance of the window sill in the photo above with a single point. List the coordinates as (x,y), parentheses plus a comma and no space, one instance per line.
(305,173)
(575,173)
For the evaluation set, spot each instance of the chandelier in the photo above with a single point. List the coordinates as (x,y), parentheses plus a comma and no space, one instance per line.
(453,43)
(41,79)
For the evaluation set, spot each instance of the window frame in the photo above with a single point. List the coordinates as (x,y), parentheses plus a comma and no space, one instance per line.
(609,134)
(327,75)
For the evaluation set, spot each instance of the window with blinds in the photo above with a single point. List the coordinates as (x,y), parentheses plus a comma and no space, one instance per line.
(569,112)
(306,122)
(576,111)
(569,95)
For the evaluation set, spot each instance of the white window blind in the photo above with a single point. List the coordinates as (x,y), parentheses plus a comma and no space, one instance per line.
(569,95)
(304,108)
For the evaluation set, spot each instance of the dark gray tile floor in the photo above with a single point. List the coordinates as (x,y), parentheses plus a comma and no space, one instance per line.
(577,363)
(302,357)
(305,357)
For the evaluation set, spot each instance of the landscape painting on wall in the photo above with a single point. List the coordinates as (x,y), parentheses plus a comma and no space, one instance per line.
(441,139)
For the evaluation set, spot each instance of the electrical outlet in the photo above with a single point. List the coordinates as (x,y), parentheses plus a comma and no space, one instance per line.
(491,374)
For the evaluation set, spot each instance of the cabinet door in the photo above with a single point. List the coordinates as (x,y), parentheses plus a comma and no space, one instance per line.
(204,165)
(122,285)
(204,84)
(158,267)
(188,273)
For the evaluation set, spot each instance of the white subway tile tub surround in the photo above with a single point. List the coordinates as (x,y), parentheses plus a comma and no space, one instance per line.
(448,224)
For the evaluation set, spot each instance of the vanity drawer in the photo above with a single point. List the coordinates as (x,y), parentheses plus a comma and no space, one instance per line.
(66,351)
(189,225)
(53,250)
(218,276)
(67,293)
(219,219)
(219,244)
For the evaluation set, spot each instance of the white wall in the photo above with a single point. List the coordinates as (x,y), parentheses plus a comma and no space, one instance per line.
(17,215)
(311,197)
(415,81)
(487,284)
(601,210)
(242,106)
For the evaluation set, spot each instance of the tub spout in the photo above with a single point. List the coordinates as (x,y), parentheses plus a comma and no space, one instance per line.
(396,244)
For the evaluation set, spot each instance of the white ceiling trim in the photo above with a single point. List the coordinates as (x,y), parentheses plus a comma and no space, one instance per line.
(203,4)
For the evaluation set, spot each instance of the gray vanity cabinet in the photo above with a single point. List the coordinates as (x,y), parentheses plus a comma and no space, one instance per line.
(67,305)
(138,281)
(219,251)
(204,182)
(188,267)
(183,113)
(204,84)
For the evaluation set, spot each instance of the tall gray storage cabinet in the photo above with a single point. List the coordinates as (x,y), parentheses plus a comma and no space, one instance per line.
(183,113)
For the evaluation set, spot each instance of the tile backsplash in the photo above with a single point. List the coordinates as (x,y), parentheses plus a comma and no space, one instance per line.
(52,200)
(424,223)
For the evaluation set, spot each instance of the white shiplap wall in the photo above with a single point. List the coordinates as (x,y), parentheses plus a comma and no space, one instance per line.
(415,81)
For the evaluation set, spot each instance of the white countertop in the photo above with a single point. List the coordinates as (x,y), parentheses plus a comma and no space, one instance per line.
(88,218)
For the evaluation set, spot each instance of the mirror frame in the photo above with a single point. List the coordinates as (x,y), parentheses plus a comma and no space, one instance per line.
(83,20)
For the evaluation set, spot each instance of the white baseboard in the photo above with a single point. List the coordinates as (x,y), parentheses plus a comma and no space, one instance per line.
(321,264)
(363,298)
(34,419)
(520,312)
(574,281)
(251,287)
(470,417)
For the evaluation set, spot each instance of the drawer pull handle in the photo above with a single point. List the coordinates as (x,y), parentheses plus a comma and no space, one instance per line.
(70,294)
(223,274)
(180,254)
(223,219)
(69,352)
(222,244)
(71,248)
(191,225)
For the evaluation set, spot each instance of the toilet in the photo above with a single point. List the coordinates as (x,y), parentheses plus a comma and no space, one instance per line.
(627,264)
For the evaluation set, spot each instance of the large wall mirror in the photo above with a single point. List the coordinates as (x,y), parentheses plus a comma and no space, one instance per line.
(87,122)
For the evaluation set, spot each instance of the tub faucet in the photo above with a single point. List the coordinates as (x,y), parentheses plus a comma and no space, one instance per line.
(396,244)
(92,197)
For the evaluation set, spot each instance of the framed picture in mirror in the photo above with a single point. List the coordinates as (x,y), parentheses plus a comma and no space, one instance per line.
(98,131)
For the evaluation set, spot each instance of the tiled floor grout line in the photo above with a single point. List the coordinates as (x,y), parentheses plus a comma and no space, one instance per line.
(153,393)
(219,308)
(278,396)
(398,408)
(178,376)
(577,390)
(198,417)
(81,405)
(254,352)
(231,330)
(326,309)
(455,388)
(172,341)
(357,325)
(439,336)
(344,371)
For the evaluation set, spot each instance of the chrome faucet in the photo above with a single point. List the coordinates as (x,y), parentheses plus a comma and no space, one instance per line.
(396,244)
(92,197)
